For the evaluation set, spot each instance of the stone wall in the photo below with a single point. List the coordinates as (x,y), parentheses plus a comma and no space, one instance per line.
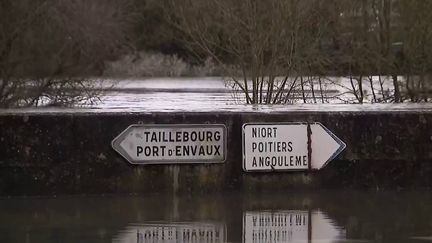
(65,153)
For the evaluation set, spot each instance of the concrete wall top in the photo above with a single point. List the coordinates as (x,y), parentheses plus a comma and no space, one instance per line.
(56,151)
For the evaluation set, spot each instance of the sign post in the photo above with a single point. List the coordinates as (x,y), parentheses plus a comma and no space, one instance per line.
(288,146)
(172,144)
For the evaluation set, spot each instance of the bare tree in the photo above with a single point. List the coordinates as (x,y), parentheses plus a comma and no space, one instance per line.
(268,41)
(388,38)
(272,48)
(48,48)
(414,56)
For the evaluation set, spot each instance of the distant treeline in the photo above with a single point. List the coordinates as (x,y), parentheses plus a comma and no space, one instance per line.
(59,43)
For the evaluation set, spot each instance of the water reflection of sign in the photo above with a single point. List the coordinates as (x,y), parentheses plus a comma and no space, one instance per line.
(289,226)
(170,233)
(282,226)
(288,146)
(177,143)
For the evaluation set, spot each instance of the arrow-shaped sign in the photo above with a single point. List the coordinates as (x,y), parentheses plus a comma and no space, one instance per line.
(325,146)
(172,143)
(288,146)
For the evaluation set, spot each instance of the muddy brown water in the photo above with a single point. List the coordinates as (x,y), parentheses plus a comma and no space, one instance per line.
(325,216)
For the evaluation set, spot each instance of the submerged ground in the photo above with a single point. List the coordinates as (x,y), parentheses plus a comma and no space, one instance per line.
(327,216)
(212,94)
(263,216)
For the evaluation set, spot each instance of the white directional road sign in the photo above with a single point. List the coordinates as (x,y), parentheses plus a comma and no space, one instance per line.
(288,146)
(172,144)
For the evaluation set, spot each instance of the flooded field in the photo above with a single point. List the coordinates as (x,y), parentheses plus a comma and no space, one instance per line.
(200,94)
(208,95)
(328,216)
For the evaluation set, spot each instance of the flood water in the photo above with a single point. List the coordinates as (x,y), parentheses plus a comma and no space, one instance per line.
(209,94)
(327,216)
(215,94)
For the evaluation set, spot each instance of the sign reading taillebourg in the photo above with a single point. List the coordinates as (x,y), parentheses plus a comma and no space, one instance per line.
(172,143)
(288,146)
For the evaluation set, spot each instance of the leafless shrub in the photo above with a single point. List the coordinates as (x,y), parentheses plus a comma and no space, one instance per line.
(266,39)
(47,47)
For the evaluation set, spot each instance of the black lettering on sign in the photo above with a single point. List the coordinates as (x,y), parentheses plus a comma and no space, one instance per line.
(254,162)
(147,151)
(146,136)
(217,148)
(193,136)
(186,150)
(273,161)
(181,136)
(209,136)
(178,150)
(261,161)
(254,132)
(164,139)
(217,136)
(154,138)
(271,147)
(298,161)
(194,150)
(139,150)
(280,160)
(155,151)
(263,132)
(209,150)
(163,150)
(201,151)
